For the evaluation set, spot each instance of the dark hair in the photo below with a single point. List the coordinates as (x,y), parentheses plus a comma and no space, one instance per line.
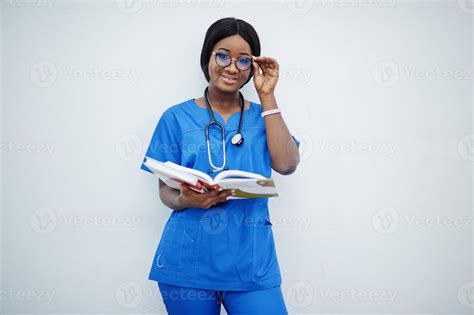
(224,28)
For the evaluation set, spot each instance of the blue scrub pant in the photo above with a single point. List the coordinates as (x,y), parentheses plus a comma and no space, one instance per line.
(183,301)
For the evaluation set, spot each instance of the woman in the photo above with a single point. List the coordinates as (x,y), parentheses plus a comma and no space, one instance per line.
(216,251)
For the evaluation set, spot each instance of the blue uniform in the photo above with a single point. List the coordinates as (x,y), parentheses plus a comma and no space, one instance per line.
(229,246)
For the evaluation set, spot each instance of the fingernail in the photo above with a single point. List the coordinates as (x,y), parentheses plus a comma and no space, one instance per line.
(221,189)
(233,192)
(227,198)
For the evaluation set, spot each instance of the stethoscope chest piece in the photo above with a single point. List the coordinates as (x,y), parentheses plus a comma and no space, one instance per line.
(237,139)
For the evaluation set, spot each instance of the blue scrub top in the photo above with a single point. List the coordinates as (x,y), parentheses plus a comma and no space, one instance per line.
(229,246)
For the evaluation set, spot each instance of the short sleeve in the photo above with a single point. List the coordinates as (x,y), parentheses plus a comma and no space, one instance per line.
(165,142)
(297,142)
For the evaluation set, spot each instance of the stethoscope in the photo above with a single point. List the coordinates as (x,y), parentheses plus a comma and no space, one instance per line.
(237,139)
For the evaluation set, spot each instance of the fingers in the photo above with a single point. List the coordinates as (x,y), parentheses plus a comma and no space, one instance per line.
(184,188)
(208,199)
(256,69)
(221,197)
(266,62)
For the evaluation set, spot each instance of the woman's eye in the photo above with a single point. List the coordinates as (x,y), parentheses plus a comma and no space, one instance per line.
(244,60)
(222,56)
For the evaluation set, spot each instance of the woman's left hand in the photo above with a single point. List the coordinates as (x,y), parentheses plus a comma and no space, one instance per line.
(266,81)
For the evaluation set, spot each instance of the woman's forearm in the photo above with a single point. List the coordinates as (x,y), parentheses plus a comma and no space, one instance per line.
(170,197)
(284,154)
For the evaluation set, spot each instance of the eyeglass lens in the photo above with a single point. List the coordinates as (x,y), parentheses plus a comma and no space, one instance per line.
(224,60)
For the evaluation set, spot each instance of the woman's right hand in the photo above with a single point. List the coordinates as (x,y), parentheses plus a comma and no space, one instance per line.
(190,199)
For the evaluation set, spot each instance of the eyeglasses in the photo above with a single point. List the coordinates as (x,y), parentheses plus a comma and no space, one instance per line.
(224,60)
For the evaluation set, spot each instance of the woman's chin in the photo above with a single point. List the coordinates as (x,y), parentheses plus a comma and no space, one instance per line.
(227,88)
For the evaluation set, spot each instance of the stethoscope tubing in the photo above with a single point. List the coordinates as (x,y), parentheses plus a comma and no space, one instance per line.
(215,122)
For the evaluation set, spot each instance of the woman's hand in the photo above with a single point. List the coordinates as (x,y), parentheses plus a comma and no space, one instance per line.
(190,199)
(266,81)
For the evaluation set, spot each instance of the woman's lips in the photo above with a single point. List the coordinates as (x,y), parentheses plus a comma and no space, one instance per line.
(228,80)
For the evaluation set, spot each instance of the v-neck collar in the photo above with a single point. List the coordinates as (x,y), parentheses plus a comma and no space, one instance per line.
(217,115)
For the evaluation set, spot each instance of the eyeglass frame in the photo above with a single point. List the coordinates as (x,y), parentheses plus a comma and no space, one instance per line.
(234,60)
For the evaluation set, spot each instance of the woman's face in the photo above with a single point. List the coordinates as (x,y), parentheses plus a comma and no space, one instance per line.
(229,79)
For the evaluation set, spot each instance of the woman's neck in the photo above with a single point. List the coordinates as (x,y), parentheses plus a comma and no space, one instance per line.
(223,101)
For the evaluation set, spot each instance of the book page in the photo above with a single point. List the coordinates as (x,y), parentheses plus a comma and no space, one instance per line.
(237,174)
(197,173)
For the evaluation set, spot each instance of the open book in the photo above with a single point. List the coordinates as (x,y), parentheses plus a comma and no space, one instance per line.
(246,184)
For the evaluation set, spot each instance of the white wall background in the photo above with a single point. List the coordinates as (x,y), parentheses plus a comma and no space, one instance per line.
(377,218)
